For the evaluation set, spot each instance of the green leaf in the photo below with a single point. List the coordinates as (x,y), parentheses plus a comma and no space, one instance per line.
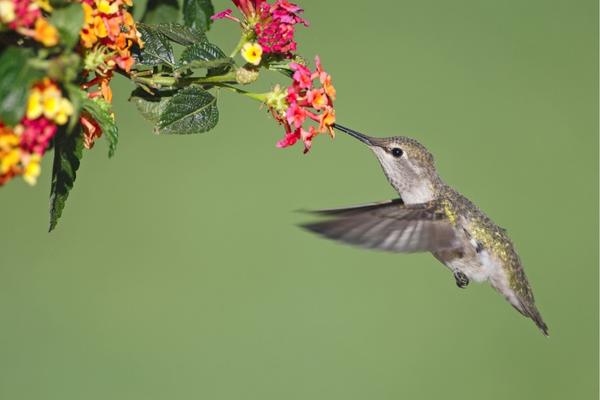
(99,109)
(191,110)
(16,78)
(157,49)
(205,55)
(159,11)
(68,150)
(150,106)
(197,13)
(68,20)
(181,34)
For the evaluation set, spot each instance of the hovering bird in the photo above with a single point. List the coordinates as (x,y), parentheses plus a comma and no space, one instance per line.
(430,216)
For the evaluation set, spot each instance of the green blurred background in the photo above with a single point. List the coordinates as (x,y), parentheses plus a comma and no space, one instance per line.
(178,272)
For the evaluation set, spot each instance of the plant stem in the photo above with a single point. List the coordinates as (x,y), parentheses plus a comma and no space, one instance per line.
(238,47)
(262,97)
(165,82)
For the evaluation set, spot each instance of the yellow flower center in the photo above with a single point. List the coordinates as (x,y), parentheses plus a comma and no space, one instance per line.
(252,53)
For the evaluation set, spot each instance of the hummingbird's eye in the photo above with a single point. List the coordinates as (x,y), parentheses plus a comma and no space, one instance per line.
(397,152)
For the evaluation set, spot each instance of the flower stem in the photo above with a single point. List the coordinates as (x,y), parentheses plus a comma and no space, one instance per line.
(262,97)
(238,47)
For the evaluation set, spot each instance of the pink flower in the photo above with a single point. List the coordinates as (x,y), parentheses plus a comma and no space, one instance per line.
(307,137)
(290,139)
(306,102)
(302,76)
(249,8)
(273,24)
(295,115)
(275,30)
(225,14)
(37,134)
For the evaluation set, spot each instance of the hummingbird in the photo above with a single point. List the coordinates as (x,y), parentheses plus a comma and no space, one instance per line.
(430,216)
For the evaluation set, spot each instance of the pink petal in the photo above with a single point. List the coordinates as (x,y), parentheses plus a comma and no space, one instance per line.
(221,15)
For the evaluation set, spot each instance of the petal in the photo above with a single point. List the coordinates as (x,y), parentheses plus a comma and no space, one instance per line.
(223,14)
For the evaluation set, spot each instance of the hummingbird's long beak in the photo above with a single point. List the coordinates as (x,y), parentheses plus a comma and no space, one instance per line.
(369,141)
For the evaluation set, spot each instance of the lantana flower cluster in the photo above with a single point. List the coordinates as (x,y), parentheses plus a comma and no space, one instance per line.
(26,17)
(304,101)
(106,40)
(107,37)
(22,146)
(268,28)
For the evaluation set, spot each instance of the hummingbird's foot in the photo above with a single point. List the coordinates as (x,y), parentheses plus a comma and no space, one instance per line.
(461,279)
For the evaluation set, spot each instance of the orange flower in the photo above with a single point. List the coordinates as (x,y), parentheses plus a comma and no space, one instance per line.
(45,33)
(327,120)
(109,33)
(91,130)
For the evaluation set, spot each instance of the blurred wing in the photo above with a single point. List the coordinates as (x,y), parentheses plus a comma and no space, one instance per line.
(390,226)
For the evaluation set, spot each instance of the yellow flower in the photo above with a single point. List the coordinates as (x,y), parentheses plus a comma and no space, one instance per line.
(34,104)
(7,11)
(9,160)
(99,27)
(105,7)
(8,139)
(65,110)
(51,99)
(252,53)
(88,38)
(44,5)
(88,13)
(32,169)
(45,33)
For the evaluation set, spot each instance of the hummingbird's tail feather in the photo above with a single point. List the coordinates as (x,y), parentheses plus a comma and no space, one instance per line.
(531,311)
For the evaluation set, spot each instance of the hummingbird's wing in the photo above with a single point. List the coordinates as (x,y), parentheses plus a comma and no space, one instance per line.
(391,226)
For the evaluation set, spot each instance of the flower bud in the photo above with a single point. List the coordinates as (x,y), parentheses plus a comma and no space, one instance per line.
(245,76)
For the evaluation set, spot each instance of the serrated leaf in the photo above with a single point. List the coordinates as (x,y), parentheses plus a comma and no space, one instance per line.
(161,11)
(150,106)
(191,110)
(197,13)
(99,110)
(68,20)
(157,49)
(181,34)
(16,78)
(68,150)
(205,55)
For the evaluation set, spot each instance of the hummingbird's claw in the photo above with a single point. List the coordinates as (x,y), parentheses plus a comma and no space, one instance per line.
(461,279)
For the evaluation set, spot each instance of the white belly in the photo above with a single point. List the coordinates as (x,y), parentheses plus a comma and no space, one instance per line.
(480,268)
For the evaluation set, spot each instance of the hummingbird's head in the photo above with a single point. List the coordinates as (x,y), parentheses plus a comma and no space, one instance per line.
(407,164)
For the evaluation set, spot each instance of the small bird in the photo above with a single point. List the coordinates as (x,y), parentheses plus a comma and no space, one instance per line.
(430,216)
